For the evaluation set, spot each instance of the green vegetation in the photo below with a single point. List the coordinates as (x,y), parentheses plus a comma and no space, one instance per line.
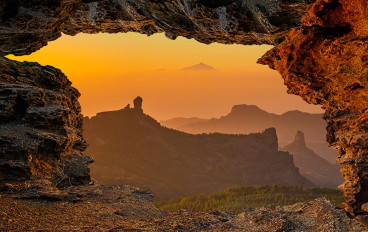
(237,199)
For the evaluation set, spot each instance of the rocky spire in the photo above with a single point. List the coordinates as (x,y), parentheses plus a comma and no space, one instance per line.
(299,140)
(298,144)
(138,103)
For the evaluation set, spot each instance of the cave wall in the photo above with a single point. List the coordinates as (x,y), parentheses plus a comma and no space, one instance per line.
(326,62)
(41,143)
(321,52)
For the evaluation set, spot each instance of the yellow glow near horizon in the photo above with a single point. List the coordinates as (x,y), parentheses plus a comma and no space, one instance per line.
(110,70)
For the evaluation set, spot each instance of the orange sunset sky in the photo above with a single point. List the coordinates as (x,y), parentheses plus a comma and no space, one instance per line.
(111,70)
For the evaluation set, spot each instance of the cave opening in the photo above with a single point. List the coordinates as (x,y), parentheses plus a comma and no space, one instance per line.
(320,51)
(180,79)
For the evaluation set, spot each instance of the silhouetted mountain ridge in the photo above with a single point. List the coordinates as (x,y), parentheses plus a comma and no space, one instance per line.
(244,119)
(130,147)
(241,109)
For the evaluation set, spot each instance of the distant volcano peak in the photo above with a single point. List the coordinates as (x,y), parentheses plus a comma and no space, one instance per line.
(199,67)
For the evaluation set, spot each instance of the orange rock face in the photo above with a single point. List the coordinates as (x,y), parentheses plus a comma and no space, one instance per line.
(326,62)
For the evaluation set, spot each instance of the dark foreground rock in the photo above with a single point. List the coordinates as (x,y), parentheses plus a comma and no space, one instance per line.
(41,143)
(125,208)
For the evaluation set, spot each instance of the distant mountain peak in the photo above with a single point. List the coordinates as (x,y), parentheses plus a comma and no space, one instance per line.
(240,109)
(244,106)
(199,67)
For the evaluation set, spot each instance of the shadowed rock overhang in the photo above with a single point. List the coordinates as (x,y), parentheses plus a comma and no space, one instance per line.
(321,51)
(27,25)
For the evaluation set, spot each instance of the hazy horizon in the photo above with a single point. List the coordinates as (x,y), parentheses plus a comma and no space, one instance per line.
(110,70)
(194,116)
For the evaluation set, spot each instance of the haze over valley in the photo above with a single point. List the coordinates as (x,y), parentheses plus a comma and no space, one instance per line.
(245,119)
(130,147)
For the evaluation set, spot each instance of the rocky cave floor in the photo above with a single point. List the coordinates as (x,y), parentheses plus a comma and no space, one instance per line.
(126,208)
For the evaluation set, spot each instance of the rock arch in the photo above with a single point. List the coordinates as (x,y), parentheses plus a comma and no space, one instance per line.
(320,50)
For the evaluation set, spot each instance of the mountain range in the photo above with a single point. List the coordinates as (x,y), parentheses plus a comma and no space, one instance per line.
(244,119)
(130,147)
